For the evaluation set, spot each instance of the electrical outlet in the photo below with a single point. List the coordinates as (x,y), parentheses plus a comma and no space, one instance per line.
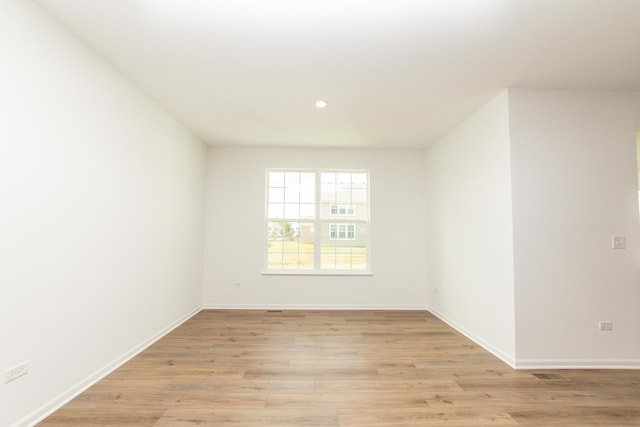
(605,325)
(16,372)
(618,242)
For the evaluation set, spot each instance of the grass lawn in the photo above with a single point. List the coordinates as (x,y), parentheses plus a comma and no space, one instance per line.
(294,254)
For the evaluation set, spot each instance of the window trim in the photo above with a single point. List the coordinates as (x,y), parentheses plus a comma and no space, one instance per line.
(318,221)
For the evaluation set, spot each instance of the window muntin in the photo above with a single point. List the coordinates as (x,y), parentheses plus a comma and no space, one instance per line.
(290,245)
(304,232)
(291,195)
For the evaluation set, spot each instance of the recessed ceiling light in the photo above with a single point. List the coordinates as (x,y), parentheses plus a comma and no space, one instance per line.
(321,104)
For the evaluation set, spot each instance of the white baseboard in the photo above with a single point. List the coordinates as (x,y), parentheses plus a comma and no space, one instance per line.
(56,403)
(506,358)
(311,307)
(542,363)
(577,364)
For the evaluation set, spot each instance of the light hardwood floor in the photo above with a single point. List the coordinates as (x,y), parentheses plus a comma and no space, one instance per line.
(341,368)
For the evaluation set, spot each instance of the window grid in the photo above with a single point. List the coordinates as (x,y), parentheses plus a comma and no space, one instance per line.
(303,237)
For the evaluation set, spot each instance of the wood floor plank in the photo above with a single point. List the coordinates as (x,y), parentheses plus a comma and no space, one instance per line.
(177,417)
(455,417)
(361,400)
(381,386)
(570,415)
(105,416)
(339,368)
(199,399)
(250,386)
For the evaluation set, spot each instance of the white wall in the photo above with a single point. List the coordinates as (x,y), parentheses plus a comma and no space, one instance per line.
(101,223)
(235,231)
(469,234)
(101,215)
(574,186)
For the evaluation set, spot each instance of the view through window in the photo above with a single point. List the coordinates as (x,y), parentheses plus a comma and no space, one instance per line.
(317,221)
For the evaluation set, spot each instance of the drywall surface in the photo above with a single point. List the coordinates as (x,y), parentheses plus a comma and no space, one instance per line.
(469,232)
(574,187)
(101,218)
(235,231)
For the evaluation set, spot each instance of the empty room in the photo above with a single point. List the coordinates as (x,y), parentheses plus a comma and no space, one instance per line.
(301,213)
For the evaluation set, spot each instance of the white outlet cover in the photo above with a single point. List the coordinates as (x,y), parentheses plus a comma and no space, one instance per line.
(619,242)
(16,372)
(605,325)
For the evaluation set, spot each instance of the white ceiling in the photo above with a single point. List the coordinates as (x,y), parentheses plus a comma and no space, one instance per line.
(396,73)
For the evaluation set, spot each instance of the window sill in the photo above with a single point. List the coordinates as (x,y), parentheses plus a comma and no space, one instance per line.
(314,273)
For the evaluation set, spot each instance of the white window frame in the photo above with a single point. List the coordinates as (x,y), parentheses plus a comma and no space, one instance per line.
(318,221)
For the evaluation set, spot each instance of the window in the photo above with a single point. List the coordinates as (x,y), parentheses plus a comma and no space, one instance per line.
(342,231)
(304,231)
(342,209)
